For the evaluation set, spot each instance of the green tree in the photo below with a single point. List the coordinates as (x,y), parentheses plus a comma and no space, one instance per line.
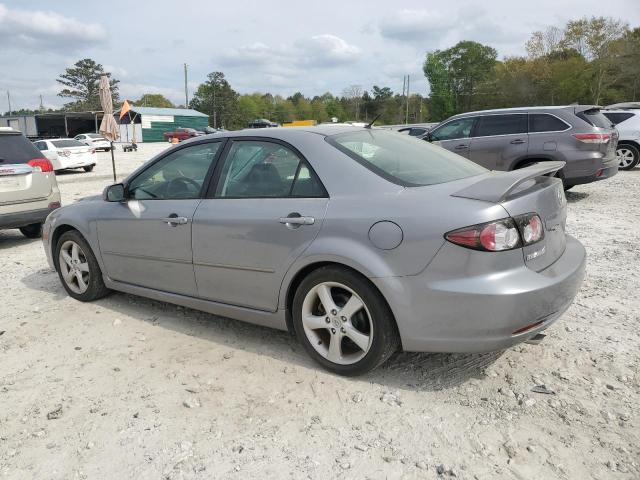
(81,83)
(454,74)
(154,100)
(216,98)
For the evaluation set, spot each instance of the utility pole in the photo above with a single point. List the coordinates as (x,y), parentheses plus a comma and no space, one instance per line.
(186,92)
(41,105)
(406,119)
(9,100)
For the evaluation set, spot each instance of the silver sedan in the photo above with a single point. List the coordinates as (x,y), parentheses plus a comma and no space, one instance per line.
(360,241)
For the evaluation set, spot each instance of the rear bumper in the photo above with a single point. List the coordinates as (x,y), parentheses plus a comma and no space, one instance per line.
(22,219)
(480,312)
(605,170)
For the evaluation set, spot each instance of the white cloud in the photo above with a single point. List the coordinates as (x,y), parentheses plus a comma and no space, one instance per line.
(133,91)
(326,51)
(29,30)
(415,25)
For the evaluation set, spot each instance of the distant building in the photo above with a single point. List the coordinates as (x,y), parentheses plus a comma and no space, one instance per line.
(149,123)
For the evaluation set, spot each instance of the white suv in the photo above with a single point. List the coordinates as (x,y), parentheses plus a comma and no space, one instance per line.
(627,123)
(28,187)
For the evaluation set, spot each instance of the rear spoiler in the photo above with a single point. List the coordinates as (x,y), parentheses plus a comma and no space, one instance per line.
(498,185)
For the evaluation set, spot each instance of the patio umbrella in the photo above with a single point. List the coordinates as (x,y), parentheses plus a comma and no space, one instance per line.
(108,128)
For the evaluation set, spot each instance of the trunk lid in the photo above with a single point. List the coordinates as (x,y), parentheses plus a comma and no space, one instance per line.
(529,190)
(21,183)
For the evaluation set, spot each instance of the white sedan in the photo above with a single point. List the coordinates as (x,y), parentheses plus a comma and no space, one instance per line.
(94,140)
(66,153)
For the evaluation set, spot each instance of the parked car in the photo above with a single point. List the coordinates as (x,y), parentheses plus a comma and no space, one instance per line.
(359,240)
(416,130)
(262,123)
(181,134)
(28,187)
(67,153)
(94,140)
(512,138)
(627,123)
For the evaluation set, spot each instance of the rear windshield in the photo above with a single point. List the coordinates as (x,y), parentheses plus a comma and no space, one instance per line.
(402,159)
(596,118)
(67,143)
(618,117)
(94,135)
(15,148)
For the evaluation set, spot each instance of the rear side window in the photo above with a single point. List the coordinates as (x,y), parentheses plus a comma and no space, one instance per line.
(15,148)
(543,122)
(617,117)
(402,159)
(595,118)
(491,125)
(41,146)
(67,143)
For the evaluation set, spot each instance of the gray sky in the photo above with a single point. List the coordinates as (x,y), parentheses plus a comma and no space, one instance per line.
(281,47)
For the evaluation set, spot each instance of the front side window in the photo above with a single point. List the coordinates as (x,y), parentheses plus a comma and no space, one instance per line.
(543,122)
(491,125)
(259,169)
(402,159)
(460,128)
(179,175)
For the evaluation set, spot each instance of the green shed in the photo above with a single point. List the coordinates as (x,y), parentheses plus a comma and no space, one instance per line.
(150,123)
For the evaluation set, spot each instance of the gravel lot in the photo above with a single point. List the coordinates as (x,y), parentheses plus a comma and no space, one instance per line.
(131,388)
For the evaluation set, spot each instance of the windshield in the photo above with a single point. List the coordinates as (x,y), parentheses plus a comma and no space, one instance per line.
(95,135)
(67,143)
(403,159)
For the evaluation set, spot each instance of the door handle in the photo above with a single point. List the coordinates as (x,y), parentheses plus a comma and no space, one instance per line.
(517,141)
(175,220)
(461,147)
(297,220)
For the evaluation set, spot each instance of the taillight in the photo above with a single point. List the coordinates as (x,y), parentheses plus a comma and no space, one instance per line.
(593,137)
(500,235)
(41,165)
(490,237)
(530,227)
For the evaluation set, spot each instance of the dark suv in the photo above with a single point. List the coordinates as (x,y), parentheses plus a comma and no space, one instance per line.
(512,138)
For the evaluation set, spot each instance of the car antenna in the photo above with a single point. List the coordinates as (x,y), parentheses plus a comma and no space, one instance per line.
(373,121)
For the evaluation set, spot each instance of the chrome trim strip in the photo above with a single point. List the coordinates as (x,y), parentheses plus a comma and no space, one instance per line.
(30,200)
(234,267)
(15,169)
(147,257)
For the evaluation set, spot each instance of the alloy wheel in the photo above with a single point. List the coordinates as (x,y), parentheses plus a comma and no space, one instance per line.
(74,267)
(337,323)
(625,157)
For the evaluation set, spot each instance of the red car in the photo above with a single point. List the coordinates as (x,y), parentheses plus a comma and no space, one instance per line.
(181,134)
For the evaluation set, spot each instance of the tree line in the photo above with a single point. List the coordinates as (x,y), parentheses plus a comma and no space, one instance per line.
(590,60)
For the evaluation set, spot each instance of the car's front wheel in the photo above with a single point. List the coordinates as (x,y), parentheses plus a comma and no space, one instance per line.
(343,322)
(628,156)
(88,168)
(78,268)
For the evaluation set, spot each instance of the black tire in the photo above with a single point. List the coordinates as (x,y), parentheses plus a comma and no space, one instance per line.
(567,187)
(88,168)
(386,339)
(631,149)
(96,288)
(32,231)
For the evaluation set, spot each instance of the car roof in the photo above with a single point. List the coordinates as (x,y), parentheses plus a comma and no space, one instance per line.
(623,110)
(524,109)
(285,133)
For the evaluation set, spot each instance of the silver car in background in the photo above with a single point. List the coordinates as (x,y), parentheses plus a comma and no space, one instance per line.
(360,241)
(512,138)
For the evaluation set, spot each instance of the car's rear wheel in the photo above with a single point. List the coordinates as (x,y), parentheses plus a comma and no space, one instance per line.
(628,156)
(78,268)
(88,168)
(32,231)
(343,322)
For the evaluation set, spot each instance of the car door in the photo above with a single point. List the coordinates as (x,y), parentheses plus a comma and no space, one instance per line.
(454,135)
(499,141)
(146,240)
(263,211)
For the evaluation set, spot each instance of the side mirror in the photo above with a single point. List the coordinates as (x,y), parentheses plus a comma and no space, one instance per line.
(114,193)
(429,137)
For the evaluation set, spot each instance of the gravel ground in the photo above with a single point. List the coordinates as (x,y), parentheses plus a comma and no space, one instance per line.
(131,388)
